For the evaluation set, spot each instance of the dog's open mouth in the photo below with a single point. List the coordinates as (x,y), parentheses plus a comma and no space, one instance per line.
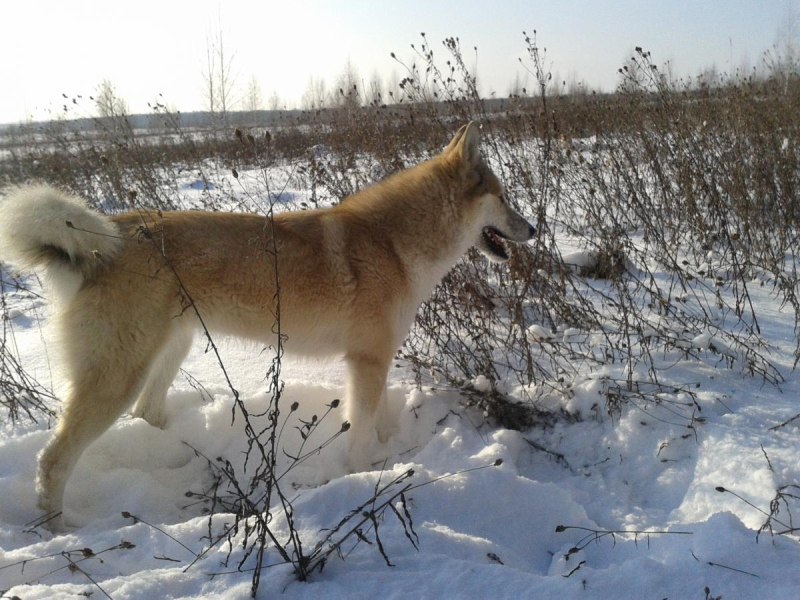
(493,242)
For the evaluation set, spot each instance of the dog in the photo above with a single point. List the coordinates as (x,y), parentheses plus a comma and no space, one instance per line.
(346,280)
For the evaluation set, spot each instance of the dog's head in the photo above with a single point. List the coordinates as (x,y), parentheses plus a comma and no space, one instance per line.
(484,196)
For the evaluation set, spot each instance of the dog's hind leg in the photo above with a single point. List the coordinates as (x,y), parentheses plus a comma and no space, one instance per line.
(107,363)
(366,390)
(151,402)
(93,404)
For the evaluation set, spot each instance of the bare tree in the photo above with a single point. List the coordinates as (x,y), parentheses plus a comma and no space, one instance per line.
(210,79)
(709,78)
(346,93)
(556,85)
(574,86)
(315,96)
(218,77)
(274,102)
(392,87)
(374,90)
(786,63)
(253,99)
(519,87)
(108,102)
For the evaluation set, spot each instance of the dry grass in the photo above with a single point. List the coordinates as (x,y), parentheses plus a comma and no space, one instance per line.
(684,198)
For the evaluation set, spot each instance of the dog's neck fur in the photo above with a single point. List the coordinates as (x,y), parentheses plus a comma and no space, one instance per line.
(414,203)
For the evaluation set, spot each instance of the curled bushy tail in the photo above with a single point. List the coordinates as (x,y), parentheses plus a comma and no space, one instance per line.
(42,227)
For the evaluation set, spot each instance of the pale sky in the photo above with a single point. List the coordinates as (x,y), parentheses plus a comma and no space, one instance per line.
(146,47)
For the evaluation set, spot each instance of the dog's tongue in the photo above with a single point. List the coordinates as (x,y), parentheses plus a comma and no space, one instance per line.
(495,242)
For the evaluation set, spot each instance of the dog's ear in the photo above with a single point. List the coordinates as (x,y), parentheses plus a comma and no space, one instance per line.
(456,138)
(465,146)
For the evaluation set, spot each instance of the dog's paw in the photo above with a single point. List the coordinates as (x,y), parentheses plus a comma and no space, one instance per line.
(386,430)
(155,418)
(358,462)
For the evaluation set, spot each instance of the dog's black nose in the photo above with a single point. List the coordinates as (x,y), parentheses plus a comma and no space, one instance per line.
(531,231)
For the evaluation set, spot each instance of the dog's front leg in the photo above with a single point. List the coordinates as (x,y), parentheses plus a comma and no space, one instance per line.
(366,391)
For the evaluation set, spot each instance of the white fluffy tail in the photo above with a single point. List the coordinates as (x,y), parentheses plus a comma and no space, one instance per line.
(42,227)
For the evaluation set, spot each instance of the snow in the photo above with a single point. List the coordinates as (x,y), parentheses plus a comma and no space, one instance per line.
(549,521)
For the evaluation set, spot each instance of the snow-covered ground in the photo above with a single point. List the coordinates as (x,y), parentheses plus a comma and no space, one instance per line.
(549,522)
